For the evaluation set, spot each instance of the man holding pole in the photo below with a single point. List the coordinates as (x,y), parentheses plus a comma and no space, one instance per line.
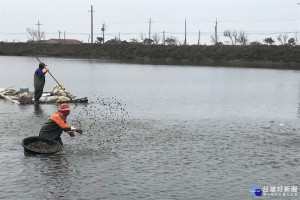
(39,81)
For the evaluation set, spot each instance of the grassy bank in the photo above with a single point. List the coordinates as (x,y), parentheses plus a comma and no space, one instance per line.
(264,56)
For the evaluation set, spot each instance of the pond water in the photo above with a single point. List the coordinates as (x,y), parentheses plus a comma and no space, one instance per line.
(153,131)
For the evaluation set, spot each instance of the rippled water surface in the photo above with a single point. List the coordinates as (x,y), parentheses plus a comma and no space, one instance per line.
(189,132)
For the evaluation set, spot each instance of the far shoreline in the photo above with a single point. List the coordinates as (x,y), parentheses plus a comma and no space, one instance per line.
(248,56)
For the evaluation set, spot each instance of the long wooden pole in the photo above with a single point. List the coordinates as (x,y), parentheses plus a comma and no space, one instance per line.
(57,82)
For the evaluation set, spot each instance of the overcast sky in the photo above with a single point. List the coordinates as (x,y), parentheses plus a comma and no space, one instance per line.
(258,18)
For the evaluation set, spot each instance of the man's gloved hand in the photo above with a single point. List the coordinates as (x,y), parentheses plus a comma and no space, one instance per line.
(47,70)
(77,130)
(71,133)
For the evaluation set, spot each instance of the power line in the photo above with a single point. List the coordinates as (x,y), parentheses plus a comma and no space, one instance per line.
(167,22)
(158,32)
(261,20)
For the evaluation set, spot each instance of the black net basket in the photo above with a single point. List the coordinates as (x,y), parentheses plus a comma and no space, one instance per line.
(41,145)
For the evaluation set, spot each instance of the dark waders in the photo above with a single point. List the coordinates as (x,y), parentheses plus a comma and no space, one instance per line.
(51,131)
(39,83)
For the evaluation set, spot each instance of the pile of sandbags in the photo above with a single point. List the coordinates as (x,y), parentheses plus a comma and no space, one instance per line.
(47,97)
(58,95)
(9,94)
(16,96)
(62,95)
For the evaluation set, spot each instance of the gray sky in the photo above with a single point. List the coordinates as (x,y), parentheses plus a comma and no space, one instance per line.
(258,18)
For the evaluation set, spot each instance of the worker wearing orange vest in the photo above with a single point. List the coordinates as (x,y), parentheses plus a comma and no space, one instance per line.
(57,123)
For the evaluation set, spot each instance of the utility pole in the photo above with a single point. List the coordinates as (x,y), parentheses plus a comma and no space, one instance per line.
(199,38)
(149,30)
(184,32)
(92,24)
(103,29)
(164,38)
(216,32)
(39,33)
(59,34)
(64,36)
(119,37)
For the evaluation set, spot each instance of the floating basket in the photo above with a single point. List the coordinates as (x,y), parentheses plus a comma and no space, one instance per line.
(41,145)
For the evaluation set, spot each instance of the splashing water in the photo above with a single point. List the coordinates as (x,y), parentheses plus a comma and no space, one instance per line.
(104,123)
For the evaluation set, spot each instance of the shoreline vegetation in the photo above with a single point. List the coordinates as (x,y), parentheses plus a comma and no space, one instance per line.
(252,56)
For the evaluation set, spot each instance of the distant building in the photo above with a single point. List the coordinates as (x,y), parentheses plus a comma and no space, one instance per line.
(64,41)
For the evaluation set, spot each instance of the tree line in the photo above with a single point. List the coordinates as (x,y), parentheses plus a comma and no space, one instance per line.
(232,37)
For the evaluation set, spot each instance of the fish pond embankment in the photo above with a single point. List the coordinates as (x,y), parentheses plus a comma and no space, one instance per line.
(258,56)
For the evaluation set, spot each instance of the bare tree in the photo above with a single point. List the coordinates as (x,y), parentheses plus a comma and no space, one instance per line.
(142,36)
(227,33)
(242,38)
(285,38)
(232,35)
(279,38)
(34,35)
(156,38)
(282,38)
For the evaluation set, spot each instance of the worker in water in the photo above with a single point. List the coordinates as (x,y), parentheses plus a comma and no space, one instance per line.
(56,124)
(39,81)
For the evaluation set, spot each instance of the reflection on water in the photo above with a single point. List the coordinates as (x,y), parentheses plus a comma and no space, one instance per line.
(50,173)
(37,109)
(192,132)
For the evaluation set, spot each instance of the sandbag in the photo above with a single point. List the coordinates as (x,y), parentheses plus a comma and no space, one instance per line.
(58,86)
(42,99)
(51,99)
(61,99)
(58,91)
